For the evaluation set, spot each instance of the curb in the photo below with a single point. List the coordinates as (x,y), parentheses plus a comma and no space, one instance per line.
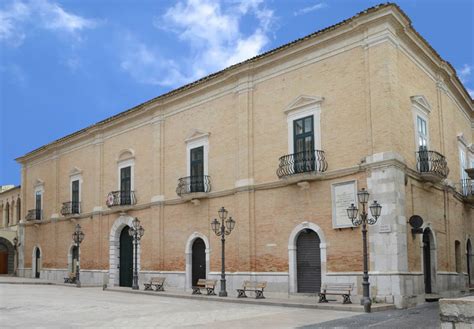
(355,308)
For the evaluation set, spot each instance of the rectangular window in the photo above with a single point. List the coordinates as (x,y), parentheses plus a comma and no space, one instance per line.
(197,169)
(38,202)
(125,185)
(75,196)
(422,132)
(303,139)
(463,163)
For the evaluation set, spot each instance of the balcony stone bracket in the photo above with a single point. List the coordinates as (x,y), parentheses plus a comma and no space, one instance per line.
(304,185)
(195,202)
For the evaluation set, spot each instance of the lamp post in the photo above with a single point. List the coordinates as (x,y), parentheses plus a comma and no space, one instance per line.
(77,237)
(223,228)
(15,247)
(375,209)
(136,232)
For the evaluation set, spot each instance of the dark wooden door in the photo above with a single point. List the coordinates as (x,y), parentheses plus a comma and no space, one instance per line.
(427,261)
(308,262)
(75,257)
(197,169)
(469,265)
(37,263)
(126,258)
(3,262)
(199,260)
(303,139)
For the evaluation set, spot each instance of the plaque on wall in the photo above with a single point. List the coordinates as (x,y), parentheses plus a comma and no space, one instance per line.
(343,194)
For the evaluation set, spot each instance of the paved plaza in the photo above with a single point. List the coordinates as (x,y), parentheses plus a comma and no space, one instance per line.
(28,306)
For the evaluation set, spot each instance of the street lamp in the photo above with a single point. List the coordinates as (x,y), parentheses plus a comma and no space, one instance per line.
(77,237)
(15,247)
(375,210)
(136,232)
(223,228)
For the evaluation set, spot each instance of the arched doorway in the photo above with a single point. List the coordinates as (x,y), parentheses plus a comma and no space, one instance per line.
(75,257)
(198,260)
(469,262)
(37,264)
(7,256)
(429,260)
(308,262)
(126,258)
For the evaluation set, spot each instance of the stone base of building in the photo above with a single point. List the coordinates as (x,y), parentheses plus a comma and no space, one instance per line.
(401,289)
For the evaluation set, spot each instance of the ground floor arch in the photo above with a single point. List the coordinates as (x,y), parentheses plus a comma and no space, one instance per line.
(197,253)
(469,261)
(306,258)
(7,257)
(429,261)
(72,258)
(36,262)
(121,251)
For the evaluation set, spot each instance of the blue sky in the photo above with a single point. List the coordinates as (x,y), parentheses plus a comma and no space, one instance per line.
(67,64)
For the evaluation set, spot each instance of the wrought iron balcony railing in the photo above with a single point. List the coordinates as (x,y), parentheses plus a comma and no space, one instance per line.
(34,214)
(467,187)
(302,162)
(121,198)
(193,184)
(432,162)
(70,208)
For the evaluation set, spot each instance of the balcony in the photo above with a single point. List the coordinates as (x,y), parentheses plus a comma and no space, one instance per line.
(121,198)
(193,186)
(34,214)
(71,208)
(312,162)
(467,190)
(431,165)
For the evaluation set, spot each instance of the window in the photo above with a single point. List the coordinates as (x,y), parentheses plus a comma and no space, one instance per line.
(38,204)
(303,139)
(422,133)
(125,185)
(421,111)
(197,169)
(75,200)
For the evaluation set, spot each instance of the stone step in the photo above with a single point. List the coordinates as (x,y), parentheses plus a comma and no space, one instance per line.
(432,297)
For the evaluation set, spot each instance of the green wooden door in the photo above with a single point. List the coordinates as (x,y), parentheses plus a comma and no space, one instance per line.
(126,258)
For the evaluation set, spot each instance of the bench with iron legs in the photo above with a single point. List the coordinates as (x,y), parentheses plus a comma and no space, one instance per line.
(71,278)
(338,289)
(254,286)
(208,285)
(157,282)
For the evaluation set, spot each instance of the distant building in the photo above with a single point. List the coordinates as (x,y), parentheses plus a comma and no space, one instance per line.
(10,214)
(283,141)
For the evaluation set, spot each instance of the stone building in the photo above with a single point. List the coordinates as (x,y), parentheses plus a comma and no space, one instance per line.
(283,141)
(10,214)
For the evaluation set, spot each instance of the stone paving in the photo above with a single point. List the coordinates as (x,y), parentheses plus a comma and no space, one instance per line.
(55,306)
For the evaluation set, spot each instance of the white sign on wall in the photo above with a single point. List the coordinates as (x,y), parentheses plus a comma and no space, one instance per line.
(343,194)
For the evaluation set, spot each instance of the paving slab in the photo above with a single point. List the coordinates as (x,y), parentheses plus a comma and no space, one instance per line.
(54,306)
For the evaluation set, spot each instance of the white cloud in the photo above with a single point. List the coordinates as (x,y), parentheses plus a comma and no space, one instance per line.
(10,17)
(17,17)
(309,9)
(214,37)
(465,72)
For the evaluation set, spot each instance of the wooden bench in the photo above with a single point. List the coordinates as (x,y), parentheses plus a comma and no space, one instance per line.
(209,285)
(254,286)
(157,282)
(71,278)
(338,289)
